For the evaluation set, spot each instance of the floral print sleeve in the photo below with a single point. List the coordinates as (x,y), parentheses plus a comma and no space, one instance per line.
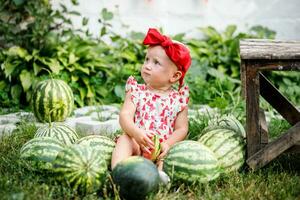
(132,87)
(184,93)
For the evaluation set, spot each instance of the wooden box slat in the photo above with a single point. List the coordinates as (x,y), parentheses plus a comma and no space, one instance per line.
(269,49)
(275,148)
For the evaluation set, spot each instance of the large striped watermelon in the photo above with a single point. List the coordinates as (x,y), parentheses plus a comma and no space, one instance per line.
(190,161)
(52,100)
(226,122)
(82,167)
(59,131)
(136,177)
(41,151)
(104,144)
(227,146)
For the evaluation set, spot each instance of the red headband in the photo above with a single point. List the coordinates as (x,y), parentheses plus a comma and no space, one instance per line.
(177,52)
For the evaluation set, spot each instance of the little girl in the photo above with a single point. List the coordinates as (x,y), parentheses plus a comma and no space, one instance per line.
(155,107)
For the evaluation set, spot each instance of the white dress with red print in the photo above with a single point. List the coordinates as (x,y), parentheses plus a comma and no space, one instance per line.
(156,113)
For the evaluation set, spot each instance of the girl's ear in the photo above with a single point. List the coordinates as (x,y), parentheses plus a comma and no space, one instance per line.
(176,76)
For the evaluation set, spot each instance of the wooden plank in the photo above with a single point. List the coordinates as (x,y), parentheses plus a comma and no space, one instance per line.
(264,133)
(278,101)
(252,110)
(274,65)
(243,78)
(294,149)
(269,49)
(275,148)
(278,65)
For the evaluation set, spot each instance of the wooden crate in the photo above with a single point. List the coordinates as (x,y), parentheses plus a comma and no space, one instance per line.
(258,56)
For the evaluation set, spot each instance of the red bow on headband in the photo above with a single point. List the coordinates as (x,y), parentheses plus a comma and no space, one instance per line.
(177,52)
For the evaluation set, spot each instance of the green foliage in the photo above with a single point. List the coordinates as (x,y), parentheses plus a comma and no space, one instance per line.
(277,127)
(262,32)
(30,23)
(196,125)
(214,77)
(287,83)
(97,68)
(95,71)
(29,32)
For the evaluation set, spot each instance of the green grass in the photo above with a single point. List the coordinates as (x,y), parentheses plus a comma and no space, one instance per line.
(278,180)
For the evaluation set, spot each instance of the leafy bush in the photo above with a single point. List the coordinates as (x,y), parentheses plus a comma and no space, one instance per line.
(30,24)
(96,69)
(287,83)
(29,30)
(214,77)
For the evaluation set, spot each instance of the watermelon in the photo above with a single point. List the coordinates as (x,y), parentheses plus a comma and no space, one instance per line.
(52,100)
(59,131)
(226,122)
(81,167)
(41,151)
(190,161)
(136,177)
(104,144)
(154,152)
(227,146)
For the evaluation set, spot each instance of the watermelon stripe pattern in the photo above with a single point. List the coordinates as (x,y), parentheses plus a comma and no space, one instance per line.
(82,167)
(52,95)
(228,146)
(59,131)
(190,161)
(136,177)
(43,151)
(227,122)
(102,143)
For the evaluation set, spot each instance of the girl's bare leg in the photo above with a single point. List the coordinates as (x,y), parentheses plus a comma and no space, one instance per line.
(124,148)
(164,178)
(159,165)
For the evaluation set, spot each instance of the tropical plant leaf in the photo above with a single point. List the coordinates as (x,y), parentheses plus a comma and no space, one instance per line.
(16,91)
(26,79)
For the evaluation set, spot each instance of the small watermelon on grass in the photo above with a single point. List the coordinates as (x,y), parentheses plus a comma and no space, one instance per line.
(82,167)
(136,177)
(228,147)
(52,100)
(190,161)
(60,131)
(104,144)
(41,151)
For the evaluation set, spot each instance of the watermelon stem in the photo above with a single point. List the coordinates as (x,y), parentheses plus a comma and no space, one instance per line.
(50,123)
(115,189)
(50,73)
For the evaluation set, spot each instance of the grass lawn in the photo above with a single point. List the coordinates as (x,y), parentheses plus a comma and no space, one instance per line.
(278,180)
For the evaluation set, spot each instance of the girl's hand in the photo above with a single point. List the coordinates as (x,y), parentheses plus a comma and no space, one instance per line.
(144,141)
(164,150)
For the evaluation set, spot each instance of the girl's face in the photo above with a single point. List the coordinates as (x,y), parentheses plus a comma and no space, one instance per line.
(158,70)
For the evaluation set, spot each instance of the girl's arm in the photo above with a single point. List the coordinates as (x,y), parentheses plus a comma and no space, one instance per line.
(180,132)
(126,120)
(180,129)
